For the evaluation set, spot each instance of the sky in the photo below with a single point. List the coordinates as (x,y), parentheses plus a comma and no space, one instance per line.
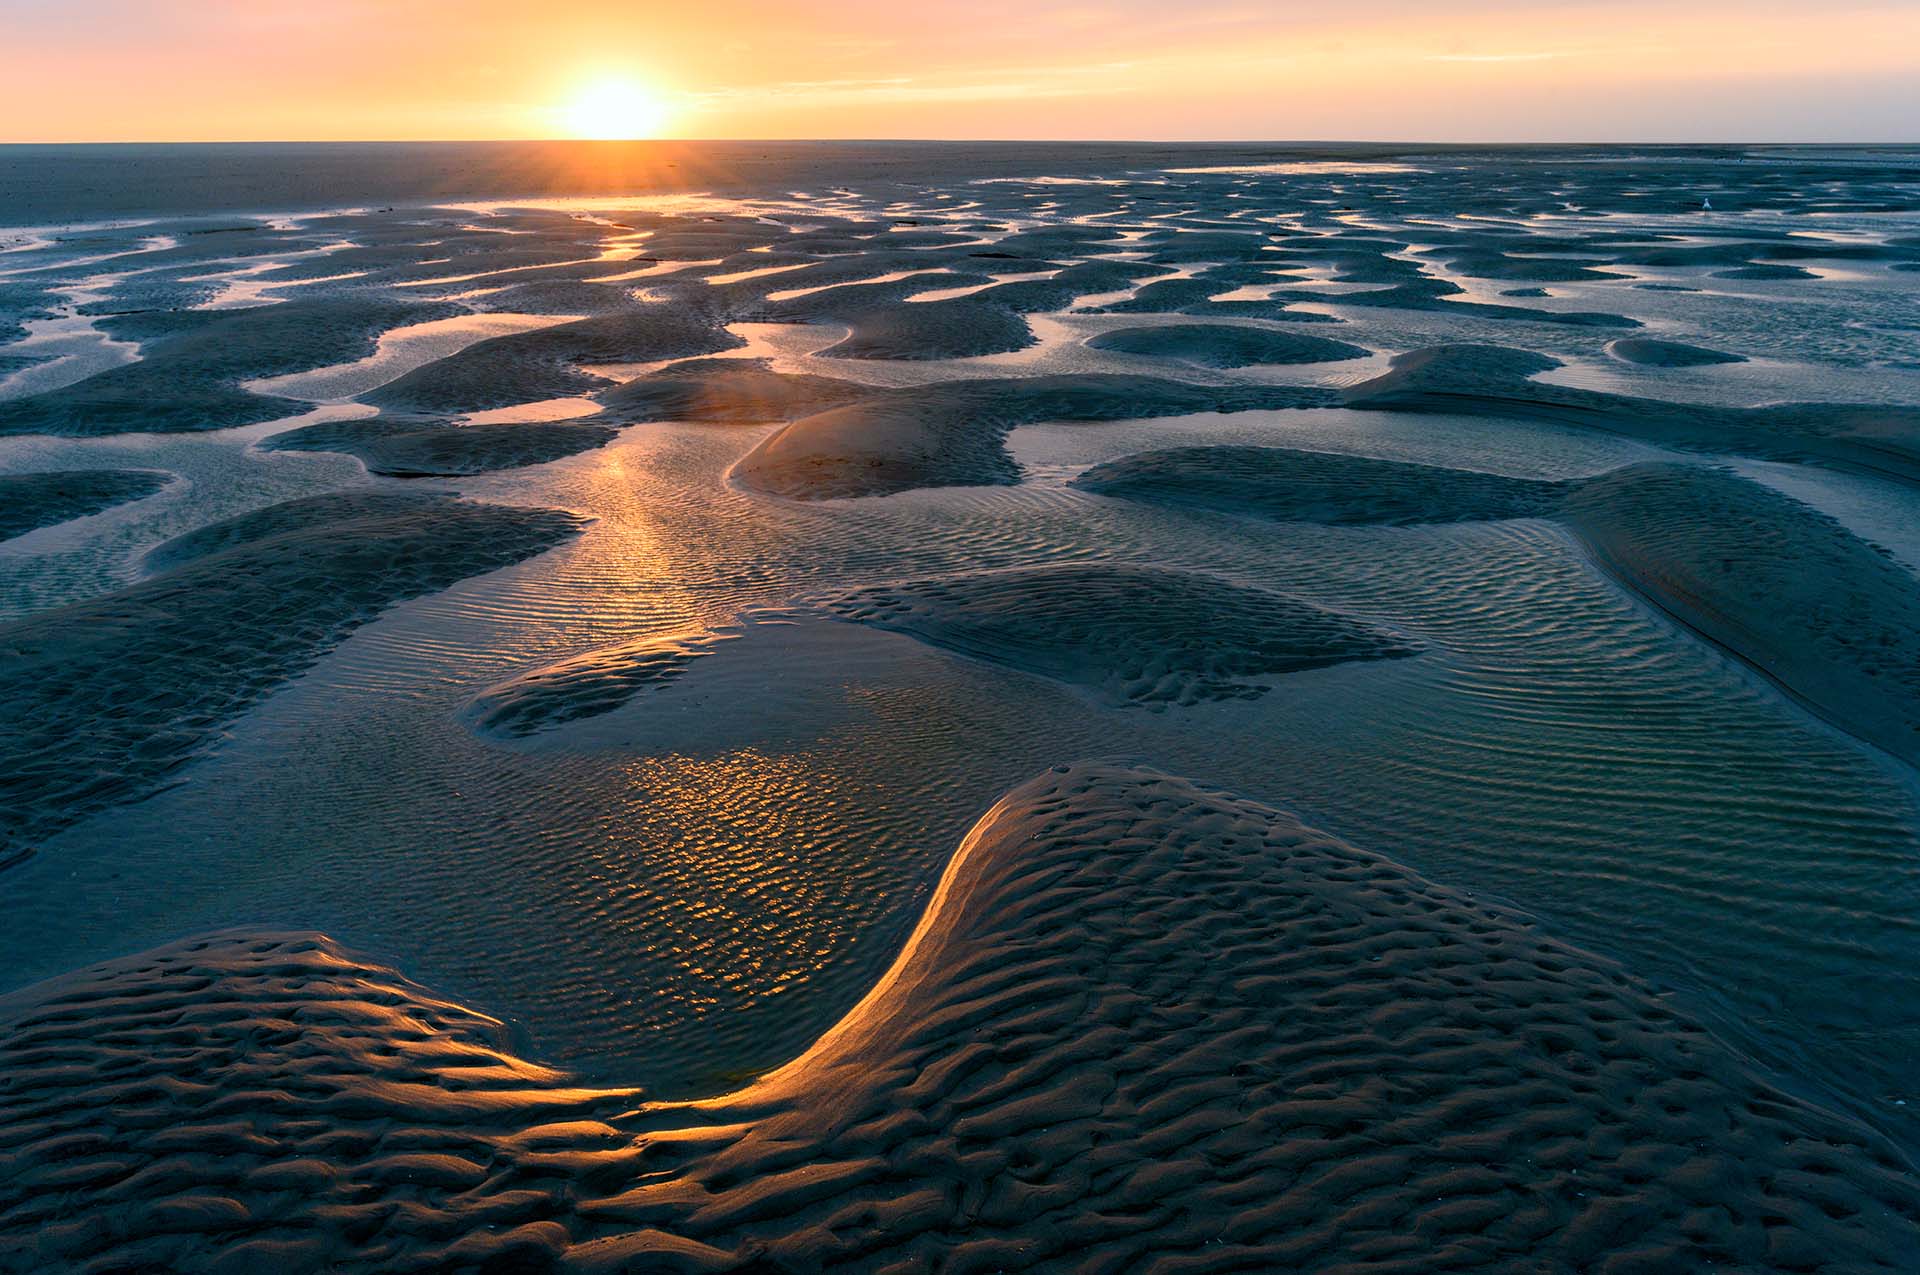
(1493,70)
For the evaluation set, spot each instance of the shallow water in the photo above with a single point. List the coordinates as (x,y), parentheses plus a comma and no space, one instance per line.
(695,885)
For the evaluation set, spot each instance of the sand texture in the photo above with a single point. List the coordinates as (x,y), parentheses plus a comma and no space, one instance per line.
(1133,635)
(1546,518)
(1141,1025)
(101,701)
(587,685)
(546,363)
(1825,615)
(958,329)
(1651,353)
(1500,381)
(1225,345)
(951,433)
(192,362)
(1285,485)
(418,447)
(31,501)
(735,390)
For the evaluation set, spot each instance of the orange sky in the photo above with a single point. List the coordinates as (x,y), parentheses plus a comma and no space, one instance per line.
(152,70)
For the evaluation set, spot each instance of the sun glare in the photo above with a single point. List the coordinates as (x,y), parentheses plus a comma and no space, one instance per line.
(613,110)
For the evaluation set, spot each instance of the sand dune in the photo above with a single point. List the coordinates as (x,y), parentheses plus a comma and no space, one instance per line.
(587,685)
(30,501)
(1141,1023)
(1133,635)
(254,1101)
(1296,486)
(101,701)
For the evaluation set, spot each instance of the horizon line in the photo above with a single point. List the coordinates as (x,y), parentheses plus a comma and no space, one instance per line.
(958,141)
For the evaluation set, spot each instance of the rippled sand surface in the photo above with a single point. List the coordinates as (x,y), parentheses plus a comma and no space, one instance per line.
(613,614)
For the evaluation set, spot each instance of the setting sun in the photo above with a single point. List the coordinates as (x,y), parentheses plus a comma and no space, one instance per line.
(614,110)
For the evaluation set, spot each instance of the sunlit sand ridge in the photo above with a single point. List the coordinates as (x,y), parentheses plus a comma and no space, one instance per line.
(1139,1022)
(643,621)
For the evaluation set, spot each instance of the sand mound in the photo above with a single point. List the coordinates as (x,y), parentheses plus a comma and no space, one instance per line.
(21,301)
(1141,1026)
(1650,353)
(191,363)
(587,685)
(959,328)
(527,367)
(1064,287)
(1765,271)
(1133,635)
(827,300)
(1177,245)
(411,447)
(1491,380)
(739,390)
(1295,486)
(1787,589)
(951,433)
(890,442)
(1165,296)
(558,296)
(29,501)
(243,1103)
(102,700)
(1498,265)
(1225,345)
(1453,372)
(1397,283)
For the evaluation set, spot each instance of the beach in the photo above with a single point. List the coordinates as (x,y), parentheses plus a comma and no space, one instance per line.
(898,706)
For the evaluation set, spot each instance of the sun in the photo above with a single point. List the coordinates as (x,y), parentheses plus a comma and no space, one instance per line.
(614,110)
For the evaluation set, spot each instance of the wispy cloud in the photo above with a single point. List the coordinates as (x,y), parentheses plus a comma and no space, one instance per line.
(1495,57)
(981,86)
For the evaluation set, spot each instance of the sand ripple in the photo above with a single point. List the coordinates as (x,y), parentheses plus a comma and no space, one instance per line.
(102,700)
(1824,614)
(1135,635)
(414,447)
(1140,1022)
(1225,345)
(950,433)
(587,685)
(1287,485)
(528,367)
(31,501)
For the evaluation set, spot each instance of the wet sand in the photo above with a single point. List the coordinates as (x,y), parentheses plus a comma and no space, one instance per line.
(1139,1022)
(614,612)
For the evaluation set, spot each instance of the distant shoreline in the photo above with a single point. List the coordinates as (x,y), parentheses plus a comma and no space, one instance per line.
(52,184)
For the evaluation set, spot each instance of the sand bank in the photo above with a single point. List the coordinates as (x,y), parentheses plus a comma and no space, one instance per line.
(1140,1023)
